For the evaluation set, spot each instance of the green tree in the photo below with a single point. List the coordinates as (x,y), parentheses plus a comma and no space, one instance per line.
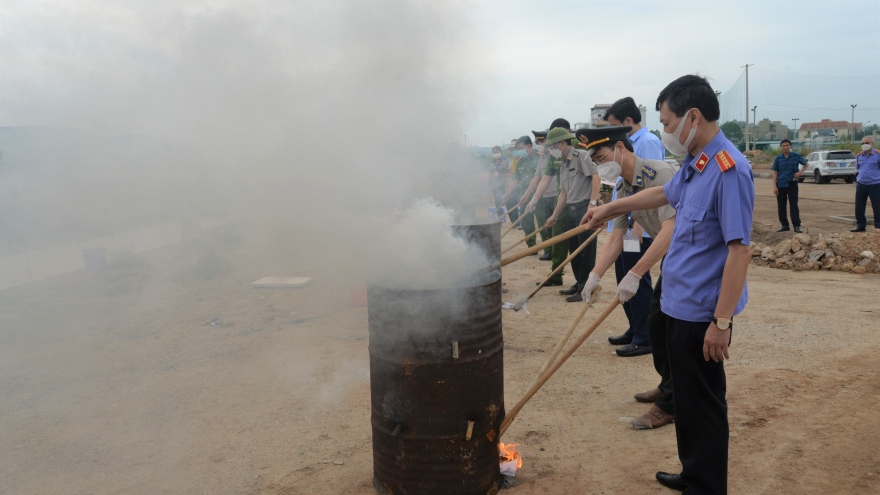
(657,133)
(732,131)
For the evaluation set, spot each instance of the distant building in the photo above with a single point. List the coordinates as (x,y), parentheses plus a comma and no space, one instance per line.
(772,131)
(840,128)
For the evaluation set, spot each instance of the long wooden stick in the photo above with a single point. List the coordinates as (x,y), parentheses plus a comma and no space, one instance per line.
(513,225)
(566,336)
(524,239)
(511,415)
(549,242)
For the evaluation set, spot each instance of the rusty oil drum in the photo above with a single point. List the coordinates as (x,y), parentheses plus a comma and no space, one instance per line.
(485,233)
(436,363)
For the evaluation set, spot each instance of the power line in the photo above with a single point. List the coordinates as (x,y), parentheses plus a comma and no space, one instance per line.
(817,75)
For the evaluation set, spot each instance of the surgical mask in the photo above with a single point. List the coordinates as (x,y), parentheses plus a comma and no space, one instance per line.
(555,153)
(496,155)
(520,153)
(610,171)
(866,147)
(673,141)
(540,148)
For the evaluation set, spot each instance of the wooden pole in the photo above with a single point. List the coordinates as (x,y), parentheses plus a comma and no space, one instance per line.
(511,415)
(513,225)
(549,242)
(524,239)
(560,267)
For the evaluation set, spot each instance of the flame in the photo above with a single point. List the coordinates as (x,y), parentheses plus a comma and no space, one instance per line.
(508,453)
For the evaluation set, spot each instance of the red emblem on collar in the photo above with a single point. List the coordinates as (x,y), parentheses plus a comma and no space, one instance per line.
(701,162)
(725,162)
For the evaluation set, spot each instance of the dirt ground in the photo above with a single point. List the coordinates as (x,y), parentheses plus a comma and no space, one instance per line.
(124,382)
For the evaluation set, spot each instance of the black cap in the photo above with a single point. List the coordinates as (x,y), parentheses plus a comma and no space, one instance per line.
(590,138)
(540,134)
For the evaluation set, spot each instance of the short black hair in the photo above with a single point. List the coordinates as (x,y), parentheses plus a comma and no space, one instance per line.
(785,141)
(623,108)
(690,91)
(524,140)
(496,148)
(560,123)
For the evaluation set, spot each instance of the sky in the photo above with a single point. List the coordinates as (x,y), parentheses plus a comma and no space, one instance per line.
(519,64)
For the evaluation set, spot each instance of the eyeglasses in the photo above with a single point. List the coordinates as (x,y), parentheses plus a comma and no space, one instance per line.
(601,159)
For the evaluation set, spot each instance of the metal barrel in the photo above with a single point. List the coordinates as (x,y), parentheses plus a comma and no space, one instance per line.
(485,233)
(436,364)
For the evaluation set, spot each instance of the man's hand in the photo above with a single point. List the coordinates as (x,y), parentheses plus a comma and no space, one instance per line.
(595,216)
(638,231)
(797,175)
(628,287)
(551,221)
(775,190)
(590,287)
(532,204)
(715,344)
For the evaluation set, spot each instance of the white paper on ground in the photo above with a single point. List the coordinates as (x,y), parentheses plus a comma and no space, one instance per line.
(507,305)
(509,468)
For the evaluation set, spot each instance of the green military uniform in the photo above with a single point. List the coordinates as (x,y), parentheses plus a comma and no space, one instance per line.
(525,172)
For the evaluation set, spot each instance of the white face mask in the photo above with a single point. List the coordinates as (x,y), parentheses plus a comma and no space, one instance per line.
(555,153)
(496,155)
(673,141)
(866,147)
(610,171)
(540,148)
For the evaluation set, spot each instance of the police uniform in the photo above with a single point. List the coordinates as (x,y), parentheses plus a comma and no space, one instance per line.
(525,172)
(544,210)
(714,197)
(575,172)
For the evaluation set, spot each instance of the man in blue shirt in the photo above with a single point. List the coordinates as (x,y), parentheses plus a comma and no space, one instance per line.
(786,172)
(704,274)
(635,341)
(867,184)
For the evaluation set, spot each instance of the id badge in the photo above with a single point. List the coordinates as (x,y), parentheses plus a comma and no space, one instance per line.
(631,244)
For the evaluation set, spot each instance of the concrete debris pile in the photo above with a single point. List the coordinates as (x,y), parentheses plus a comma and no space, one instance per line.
(854,253)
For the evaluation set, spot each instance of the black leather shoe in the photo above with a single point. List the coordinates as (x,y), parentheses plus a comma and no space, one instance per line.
(783,229)
(574,298)
(552,283)
(858,229)
(633,350)
(546,256)
(620,340)
(799,230)
(570,291)
(671,481)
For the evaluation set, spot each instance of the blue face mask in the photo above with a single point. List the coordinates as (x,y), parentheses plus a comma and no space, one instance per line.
(520,153)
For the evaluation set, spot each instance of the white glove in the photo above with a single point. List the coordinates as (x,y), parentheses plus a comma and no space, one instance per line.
(628,287)
(532,204)
(590,287)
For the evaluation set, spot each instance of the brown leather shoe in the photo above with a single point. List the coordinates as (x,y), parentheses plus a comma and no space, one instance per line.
(650,396)
(654,418)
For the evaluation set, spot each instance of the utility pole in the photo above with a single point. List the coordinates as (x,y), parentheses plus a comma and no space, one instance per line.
(755,120)
(852,122)
(748,128)
(795,128)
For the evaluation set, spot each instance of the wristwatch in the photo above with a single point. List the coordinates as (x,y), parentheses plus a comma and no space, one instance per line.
(595,203)
(722,323)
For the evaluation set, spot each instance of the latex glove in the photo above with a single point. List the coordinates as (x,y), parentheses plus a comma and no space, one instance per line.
(628,287)
(590,287)
(532,204)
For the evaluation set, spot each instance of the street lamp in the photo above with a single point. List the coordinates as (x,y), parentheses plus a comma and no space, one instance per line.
(755,119)
(852,121)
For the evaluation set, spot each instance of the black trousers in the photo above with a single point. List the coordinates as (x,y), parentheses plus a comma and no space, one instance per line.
(583,263)
(863,192)
(637,308)
(789,194)
(701,428)
(657,336)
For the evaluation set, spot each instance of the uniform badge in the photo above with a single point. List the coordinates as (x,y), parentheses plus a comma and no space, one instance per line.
(725,161)
(618,186)
(649,172)
(639,182)
(701,162)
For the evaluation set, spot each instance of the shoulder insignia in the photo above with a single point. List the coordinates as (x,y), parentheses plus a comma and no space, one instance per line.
(701,162)
(639,182)
(649,172)
(619,185)
(724,161)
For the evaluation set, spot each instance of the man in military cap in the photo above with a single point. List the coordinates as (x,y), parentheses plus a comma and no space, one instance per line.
(522,177)
(704,274)
(615,158)
(579,191)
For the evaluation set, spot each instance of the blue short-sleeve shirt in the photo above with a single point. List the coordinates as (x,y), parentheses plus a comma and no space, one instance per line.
(713,207)
(786,167)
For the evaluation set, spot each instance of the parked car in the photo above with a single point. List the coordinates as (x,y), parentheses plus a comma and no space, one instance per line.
(823,166)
